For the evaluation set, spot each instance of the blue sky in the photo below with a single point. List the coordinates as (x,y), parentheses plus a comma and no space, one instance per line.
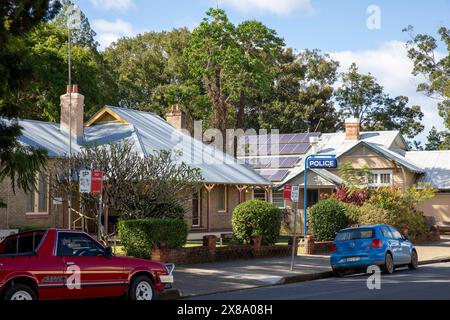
(338,27)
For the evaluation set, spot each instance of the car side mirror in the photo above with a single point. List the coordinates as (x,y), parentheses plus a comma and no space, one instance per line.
(108,252)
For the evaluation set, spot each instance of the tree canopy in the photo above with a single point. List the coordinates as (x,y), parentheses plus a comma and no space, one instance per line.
(436,70)
(361,96)
(17,19)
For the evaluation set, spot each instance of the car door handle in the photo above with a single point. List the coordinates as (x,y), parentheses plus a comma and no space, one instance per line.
(70,263)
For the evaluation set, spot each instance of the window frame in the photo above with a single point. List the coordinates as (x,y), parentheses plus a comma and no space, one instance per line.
(262,190)
(16,237)
(35,194)
(225,199)
(57,243)
(378,182)
(278,192)
(199,208)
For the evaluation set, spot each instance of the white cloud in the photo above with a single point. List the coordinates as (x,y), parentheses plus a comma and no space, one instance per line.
(113,4)
(278,7)
(110,31)
(390,64)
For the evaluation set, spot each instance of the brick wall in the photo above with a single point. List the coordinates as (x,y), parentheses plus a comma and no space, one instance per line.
(209,252)
(15,214)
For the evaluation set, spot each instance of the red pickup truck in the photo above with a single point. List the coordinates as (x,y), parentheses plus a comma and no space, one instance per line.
(67,264)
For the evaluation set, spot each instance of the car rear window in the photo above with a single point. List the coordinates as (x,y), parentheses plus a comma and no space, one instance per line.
(22,243)
(354,234)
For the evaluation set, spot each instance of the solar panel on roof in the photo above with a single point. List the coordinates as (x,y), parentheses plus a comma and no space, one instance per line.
(278,175)
(287,149)
(298,138)
(287,162)
(301,148)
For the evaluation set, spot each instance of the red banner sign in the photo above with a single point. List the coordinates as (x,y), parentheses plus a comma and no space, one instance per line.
(97,181)
(287,190)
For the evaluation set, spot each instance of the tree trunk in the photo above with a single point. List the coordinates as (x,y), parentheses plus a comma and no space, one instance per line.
(240,121)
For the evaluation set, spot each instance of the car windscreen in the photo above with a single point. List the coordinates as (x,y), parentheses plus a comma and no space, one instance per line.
(21,243)
(355,234)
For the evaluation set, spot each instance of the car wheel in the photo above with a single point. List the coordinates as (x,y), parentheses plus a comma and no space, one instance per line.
(388,266)
(141,288)
(20,292)
(414,261)
(338,273)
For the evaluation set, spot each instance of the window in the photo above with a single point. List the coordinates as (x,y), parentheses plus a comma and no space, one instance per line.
(78,245)
(196,209)
(355,234)
(222,198)
(386,232)
(380,178)
(278,199)
(22,244)
(259,194)
(37,200)
(395,233)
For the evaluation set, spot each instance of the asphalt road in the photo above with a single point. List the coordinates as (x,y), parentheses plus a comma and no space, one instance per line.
(427,282)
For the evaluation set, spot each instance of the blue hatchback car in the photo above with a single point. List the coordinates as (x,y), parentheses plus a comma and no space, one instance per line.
(382,245)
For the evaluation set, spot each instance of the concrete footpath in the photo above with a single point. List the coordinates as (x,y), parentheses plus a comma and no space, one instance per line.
(208,278)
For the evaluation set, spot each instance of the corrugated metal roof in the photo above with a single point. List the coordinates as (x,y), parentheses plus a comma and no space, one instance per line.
(397,158)
(217,167)
(149,133)
(436,165)
(336,144)
(46,135)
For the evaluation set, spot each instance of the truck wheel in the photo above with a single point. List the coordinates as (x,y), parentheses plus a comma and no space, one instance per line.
(20,292)
(141,288)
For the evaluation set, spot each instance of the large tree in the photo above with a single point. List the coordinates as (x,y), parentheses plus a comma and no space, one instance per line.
(234,64)
(300,99)
(435,140)
(361,96)
(17,19)
(48,48)
(151,73)
(436,70)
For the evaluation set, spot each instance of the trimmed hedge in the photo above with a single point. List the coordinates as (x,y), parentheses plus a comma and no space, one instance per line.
(256,218)
(28,229)
(139,236)
(326,218)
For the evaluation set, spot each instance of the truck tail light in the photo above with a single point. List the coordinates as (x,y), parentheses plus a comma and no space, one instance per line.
(376,243)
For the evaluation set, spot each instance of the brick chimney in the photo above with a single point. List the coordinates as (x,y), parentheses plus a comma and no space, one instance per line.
(74,118)
(177,117)
(352,128)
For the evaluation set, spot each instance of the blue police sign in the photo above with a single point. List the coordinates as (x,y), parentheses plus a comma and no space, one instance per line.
(314,162)
(322,163)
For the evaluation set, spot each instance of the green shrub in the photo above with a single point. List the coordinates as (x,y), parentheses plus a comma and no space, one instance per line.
(256,218)
(400,208)
(139,236)
(30,228)
(371,214)
(353,213)
(326,218)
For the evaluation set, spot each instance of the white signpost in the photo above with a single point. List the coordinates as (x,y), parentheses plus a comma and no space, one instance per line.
(294,198)
(85,181)
(92,182)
